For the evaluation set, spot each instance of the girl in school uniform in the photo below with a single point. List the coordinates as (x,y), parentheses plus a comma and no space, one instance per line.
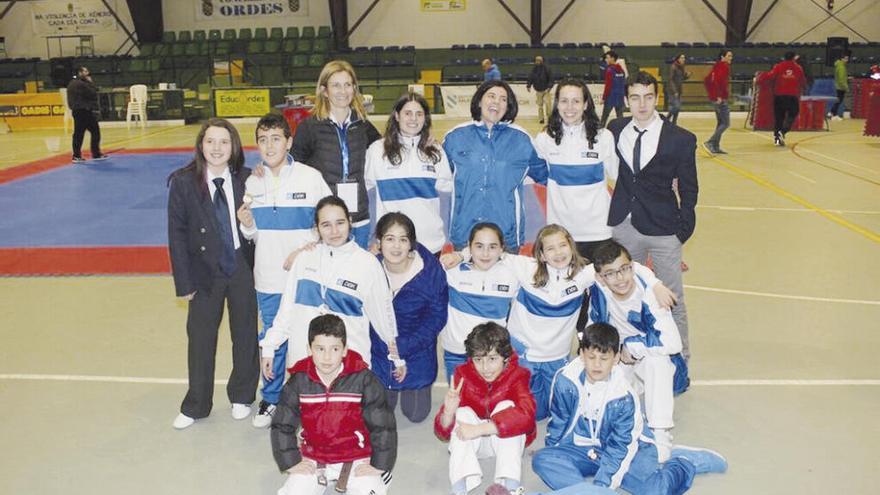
(212,266)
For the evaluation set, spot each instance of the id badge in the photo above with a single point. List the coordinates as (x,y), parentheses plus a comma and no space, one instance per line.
(348,193)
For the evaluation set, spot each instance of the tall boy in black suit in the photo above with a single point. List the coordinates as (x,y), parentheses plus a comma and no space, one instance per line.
(647,215)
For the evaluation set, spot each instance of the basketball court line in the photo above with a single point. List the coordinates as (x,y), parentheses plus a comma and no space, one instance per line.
(802,177)
(794,210)
(144,380)
(783,296)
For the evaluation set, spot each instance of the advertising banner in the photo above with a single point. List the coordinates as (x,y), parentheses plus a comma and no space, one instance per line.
(80,17)
(245,10)
(241,102)
(443,5)
(457,99)
(32,110)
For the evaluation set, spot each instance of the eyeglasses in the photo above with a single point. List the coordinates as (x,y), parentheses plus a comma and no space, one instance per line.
(619,273)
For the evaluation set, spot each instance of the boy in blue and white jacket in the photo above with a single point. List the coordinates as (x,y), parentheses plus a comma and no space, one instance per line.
(651,353)
(596,429)
(278,215)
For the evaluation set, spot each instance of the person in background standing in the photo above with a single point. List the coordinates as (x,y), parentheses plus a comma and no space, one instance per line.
(677,76)
(82,98)
(615,87)
(788,83)
(841,84)
(491,72)
(541,78)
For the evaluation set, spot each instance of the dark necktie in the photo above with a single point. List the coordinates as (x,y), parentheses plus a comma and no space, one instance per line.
(637,152)
(221,211)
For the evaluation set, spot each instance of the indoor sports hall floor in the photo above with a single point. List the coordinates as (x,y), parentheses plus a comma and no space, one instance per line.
(782,293)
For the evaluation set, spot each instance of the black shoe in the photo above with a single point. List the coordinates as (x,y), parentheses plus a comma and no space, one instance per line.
(101,157)
(541,121)
(78,159)
(719,151)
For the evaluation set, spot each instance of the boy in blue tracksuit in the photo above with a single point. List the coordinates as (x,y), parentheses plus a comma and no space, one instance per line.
(596,429)
(278,215)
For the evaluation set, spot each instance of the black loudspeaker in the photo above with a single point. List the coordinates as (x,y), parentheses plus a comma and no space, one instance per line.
(61,71)
(834,49)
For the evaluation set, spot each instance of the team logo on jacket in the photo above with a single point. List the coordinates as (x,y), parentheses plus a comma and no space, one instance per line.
(570,290)
(589,154)
(429,168)
(502,288)
(348,284)
(296,195)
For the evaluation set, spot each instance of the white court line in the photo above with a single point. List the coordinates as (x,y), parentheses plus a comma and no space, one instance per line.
(803,177)
(796,210)
(783,296)
(183,381)
(838,160)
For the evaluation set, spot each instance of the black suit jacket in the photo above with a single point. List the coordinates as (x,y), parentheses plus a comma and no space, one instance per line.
(649,195)
(193,236)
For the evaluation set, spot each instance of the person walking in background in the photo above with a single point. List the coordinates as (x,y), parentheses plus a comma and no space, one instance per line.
(677,76)
(788,83)
(491,72)
(841,84)
(615,87)
(541,78)
(717,82)
(82,98)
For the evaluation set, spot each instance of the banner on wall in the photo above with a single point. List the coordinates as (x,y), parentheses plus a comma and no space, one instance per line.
(457,99)
(443,5)
(241,102)
(82,16)
(213,10)
(32,110)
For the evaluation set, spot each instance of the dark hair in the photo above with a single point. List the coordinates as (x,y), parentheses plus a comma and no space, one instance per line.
(486,226)
(577,261)
(198,166)
(723,52)
(79,69)
(488,336)
(426,150)
(512,106)
(789,55)
(591,120)
(606,252)
(393,218)
(642,78)
(273,120)
(600,336)
(612,54)
(331,201)
(678,57)
(329,325)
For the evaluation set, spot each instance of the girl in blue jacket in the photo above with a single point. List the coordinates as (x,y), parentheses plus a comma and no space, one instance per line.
(418,285)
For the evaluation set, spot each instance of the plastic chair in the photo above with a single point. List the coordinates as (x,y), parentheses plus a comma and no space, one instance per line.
(137,105)
(68,115)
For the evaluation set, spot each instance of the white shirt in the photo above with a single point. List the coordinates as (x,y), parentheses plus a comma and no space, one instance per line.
(230,199)
(650,141)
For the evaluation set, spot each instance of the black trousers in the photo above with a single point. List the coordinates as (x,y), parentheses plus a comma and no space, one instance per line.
(85,120)
(606,112)
(785,110)
(202,328)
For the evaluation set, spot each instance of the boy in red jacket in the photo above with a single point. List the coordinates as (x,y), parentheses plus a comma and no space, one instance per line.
(788,84)
(488,411)
(717,82)
(348,431)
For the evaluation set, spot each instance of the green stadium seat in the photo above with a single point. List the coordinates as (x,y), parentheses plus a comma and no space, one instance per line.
(292,33)
(214,35)
(148,49)
(276,33)
(289,46)
(271,46)
(255,46)
(229,34)
(260,34)
(299,61)
(304,46)
(191,50)
(316,60)
(184,36)
(178,50)
(320,46)
(245,34)
(223,48)
(308,32)
(169,37)
(199,35)
(324,32)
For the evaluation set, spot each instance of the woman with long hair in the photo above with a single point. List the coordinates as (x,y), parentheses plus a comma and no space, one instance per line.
(408,170)
(212,266)
(335,138)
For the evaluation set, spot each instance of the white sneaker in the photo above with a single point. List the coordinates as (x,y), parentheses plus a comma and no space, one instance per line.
(837,117)
(241,411)
(663,441)
(263,418)
(182,422)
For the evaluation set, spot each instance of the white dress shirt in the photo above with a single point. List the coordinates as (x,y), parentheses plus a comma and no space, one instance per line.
(650,140)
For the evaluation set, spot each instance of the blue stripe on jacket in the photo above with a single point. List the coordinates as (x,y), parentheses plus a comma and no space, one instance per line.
(308,293)
(540,307)
(491,307)
(577,175)
(407,188)
(284,217)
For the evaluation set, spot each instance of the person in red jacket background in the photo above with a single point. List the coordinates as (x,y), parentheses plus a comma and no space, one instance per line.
(717,83)
(488,411)
(788,84)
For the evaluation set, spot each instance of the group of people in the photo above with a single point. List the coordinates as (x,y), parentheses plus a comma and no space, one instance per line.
(350,325)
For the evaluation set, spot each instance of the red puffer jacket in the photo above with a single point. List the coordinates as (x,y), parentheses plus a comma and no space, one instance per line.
(482,397)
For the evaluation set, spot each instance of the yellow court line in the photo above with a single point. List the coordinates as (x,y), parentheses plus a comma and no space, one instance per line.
(871,235)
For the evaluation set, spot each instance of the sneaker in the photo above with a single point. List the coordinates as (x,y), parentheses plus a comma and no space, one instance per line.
(182,422)
(263,418)
(78,159)
(241,411)
(100,157)
(709,147)
(719,151)
(837,117)
(663,441)
(704,460)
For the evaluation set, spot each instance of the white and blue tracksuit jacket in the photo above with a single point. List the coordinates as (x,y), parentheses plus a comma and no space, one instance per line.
(284,214)
(645,328)
(489,168)
(604,416)
(346,281)
(543,319)
(475,297)
(577,189)
(411,188)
